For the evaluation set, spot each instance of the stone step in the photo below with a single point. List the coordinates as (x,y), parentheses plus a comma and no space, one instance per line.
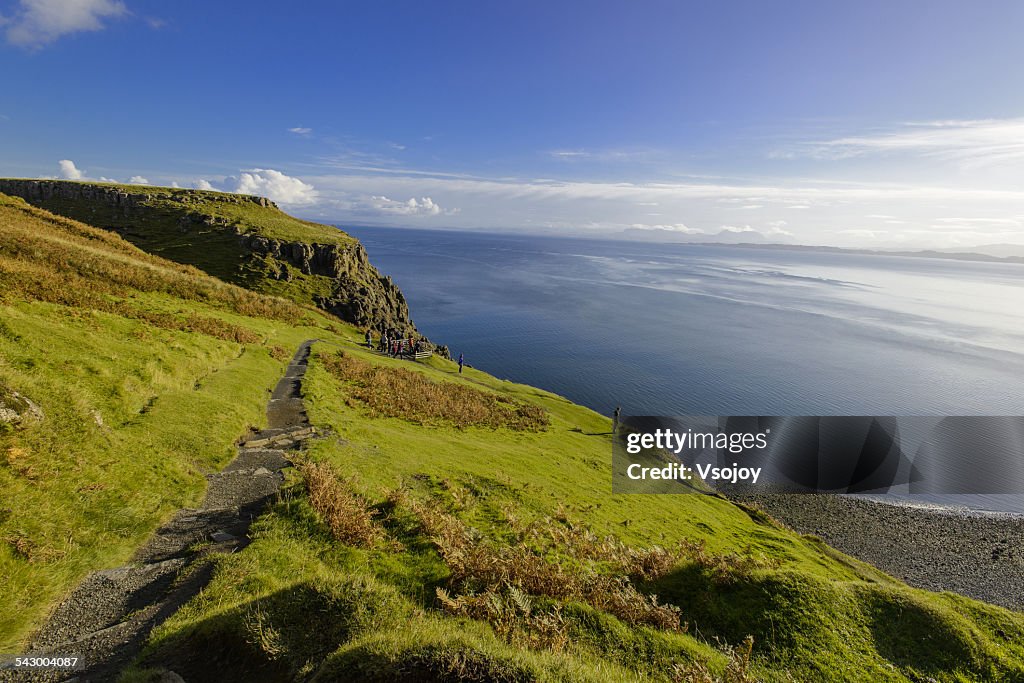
(252,458)
(285,440)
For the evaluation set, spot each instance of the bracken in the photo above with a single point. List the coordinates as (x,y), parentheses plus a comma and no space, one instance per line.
(409,395)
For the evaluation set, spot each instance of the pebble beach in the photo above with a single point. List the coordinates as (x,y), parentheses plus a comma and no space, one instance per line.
(977,554)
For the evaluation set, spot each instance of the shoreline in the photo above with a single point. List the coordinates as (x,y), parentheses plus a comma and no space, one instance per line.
(976,553)
(939,508)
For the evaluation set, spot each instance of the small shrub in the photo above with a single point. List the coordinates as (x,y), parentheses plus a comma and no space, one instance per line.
(31,551)
(261,634)
(737,670)
(344,511)
(512,614)
(22,546)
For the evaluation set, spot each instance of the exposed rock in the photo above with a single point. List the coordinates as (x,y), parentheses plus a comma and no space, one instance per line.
(16,409)
(360,295)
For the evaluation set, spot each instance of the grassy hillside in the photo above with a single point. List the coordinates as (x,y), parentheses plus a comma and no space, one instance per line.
(146,371)
(241,239)
(447,527)
(197,227)
(251,213)
(470,538)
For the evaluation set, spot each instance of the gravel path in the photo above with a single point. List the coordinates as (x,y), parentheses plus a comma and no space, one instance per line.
(980,555)
(105,621)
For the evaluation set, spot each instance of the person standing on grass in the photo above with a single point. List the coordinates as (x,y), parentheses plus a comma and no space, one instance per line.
(615,419)
(460,363)
(369,339)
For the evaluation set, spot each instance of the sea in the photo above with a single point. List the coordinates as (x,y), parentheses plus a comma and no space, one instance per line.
(681,329)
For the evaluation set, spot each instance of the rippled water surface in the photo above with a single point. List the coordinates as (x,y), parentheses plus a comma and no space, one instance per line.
(703,330)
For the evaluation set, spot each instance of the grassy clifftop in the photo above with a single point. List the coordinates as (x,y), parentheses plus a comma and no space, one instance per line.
(252,214)
(447,527)
(242,239)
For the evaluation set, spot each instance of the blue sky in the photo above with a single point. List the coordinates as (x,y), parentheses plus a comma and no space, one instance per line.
(858,123)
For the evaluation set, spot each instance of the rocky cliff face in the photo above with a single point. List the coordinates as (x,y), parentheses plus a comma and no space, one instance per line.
(359,294)
(204,229)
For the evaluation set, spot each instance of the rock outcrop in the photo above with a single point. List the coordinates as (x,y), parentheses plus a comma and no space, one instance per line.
(204,229)
(359,294)
(16,409)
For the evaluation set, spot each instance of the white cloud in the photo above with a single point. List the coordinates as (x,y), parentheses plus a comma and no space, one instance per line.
(675,227)
(804,210)
(424,206)
(568,154)
(138,180)
(1011,222)
(37,23)
(972,143)
(299,130)
(69,171)
(263,182)
(275,185)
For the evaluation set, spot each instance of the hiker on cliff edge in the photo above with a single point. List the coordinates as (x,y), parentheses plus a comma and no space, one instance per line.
(460,363)
(615,419)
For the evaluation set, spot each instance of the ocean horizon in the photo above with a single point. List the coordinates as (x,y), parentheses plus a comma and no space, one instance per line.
(681,329)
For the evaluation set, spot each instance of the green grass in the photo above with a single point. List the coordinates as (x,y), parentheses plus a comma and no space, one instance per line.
(135,413)
(137,364)
(814,614)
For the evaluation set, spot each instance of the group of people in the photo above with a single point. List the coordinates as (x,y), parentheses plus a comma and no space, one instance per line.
(395,345)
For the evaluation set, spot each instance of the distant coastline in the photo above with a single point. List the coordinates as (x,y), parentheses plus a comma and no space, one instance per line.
(986,253)
(923,253)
